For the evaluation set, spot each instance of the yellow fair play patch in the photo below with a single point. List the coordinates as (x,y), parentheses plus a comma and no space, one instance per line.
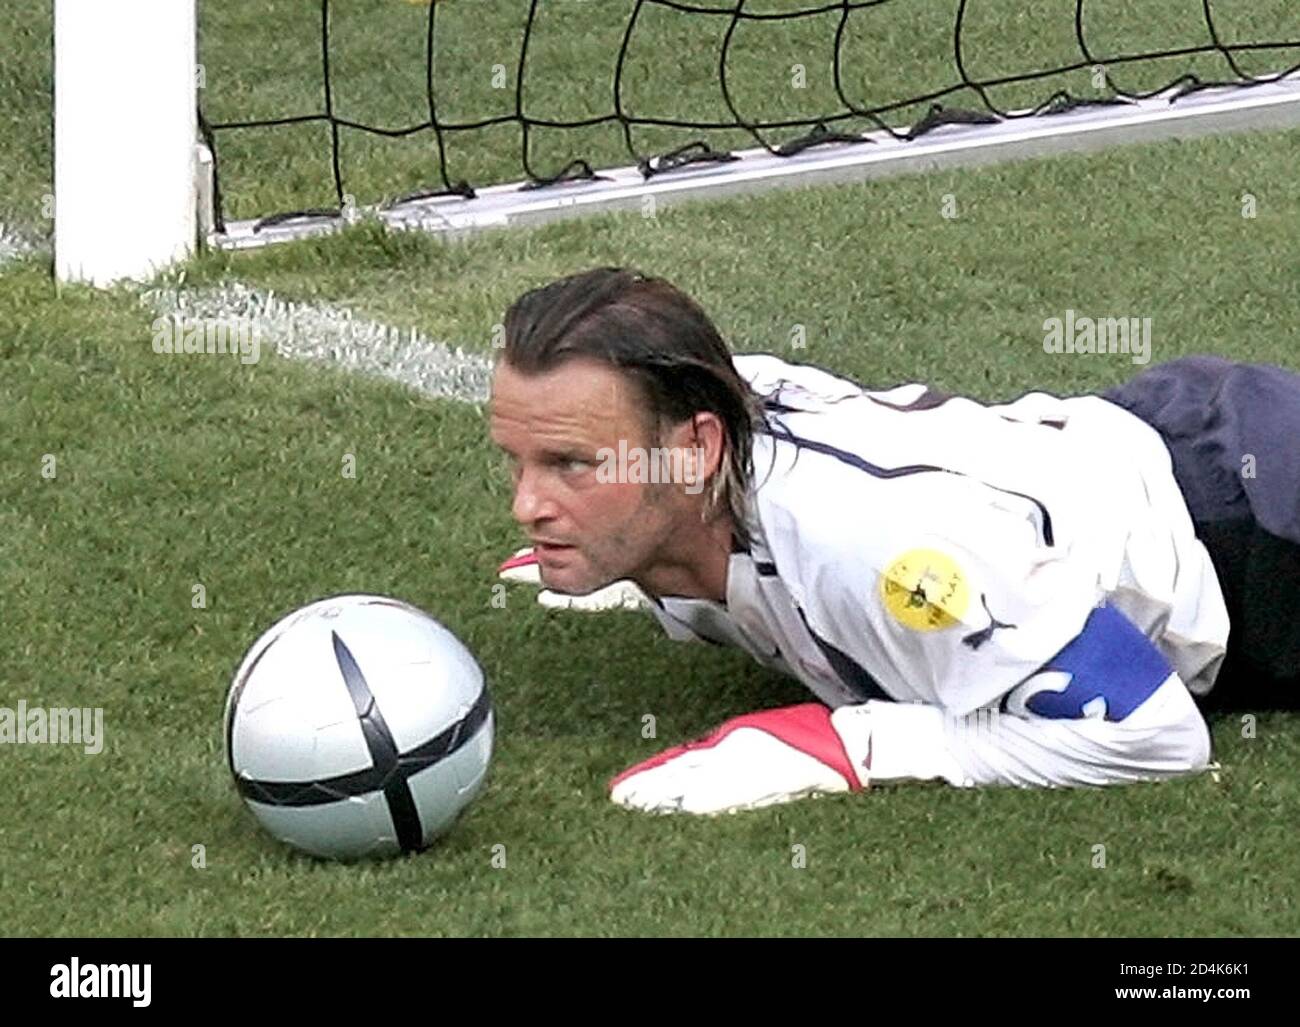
(925,590)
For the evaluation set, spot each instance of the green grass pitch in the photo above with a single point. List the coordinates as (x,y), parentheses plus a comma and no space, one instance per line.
(177,471)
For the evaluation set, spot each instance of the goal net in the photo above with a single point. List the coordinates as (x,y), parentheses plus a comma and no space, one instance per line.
(423,107)
(459,114)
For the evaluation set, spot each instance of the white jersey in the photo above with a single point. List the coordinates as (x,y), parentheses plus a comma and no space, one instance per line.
(923,549)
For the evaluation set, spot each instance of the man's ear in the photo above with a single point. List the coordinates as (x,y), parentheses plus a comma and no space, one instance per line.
(698,442)
(708,438)
(703,446)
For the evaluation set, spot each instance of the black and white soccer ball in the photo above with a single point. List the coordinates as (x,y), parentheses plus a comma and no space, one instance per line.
(358,727)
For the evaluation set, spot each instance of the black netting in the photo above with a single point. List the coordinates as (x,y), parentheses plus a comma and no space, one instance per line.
(1085,52)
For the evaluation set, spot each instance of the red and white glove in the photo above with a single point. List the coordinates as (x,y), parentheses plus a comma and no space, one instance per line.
(757,760)
(521,568)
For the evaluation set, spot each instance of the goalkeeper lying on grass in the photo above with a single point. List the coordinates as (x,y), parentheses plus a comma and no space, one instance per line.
(1025,594)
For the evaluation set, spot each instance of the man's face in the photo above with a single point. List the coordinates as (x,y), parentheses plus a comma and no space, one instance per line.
(553,427)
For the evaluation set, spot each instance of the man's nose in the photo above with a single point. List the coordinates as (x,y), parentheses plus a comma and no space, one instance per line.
(530,502)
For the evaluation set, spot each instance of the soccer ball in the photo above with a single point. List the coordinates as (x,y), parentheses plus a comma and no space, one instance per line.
(357,727)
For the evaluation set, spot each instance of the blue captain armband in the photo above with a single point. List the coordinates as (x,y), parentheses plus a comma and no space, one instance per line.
(1109,660)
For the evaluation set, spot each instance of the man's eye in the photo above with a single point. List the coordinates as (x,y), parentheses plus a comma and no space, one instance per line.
(574,465)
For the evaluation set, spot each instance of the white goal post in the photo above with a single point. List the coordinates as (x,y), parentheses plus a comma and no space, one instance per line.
(125,134)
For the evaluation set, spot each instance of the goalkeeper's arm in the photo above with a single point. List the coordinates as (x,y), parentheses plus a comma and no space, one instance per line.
(1165,737)
(1107,709)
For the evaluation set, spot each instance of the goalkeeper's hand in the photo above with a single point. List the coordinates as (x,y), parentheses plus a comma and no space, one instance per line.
(757,760)
(620,595)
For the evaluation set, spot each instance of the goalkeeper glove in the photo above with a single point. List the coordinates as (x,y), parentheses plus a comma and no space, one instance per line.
(757,760)
(620,595)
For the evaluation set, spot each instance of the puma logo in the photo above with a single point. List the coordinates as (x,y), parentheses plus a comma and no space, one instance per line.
(977,638)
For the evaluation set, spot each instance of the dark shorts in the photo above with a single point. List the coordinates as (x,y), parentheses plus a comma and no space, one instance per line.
(1233,431)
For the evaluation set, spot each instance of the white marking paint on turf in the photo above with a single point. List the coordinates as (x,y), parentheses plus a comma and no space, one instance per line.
(14,245)
(324,333)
